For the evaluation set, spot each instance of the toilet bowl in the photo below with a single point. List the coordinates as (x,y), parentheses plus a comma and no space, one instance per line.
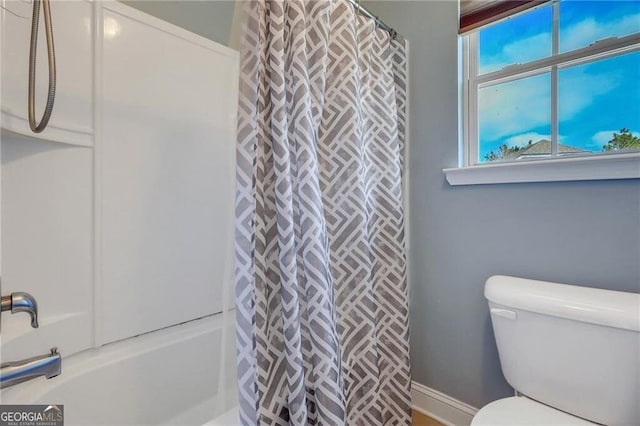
(571,351)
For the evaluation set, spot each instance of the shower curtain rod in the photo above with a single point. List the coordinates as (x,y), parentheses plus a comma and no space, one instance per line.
(366,12)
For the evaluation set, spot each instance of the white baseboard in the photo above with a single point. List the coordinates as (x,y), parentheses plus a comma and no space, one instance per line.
(443,408)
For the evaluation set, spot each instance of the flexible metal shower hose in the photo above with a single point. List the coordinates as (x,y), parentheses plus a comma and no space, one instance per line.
(51,54)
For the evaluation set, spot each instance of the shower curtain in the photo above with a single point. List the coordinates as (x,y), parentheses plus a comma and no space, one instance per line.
(321,288)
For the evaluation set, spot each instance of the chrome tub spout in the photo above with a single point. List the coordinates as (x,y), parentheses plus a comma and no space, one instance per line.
(48,365)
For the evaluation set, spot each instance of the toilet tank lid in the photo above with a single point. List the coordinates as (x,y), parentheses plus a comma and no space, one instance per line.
(593,305)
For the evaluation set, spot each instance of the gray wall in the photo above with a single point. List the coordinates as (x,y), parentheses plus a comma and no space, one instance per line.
(584,233)
(209,18)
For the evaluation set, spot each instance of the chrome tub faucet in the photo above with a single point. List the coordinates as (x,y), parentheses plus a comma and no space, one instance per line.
(47,365)
(21,302)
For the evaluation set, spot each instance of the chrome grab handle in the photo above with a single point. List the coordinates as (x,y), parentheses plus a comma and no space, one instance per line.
(21,302)
(51,55)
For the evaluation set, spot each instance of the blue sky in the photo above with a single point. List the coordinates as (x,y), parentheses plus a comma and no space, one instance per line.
(595,99)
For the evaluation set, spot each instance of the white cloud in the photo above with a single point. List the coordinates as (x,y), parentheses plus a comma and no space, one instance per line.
(604,136)
(578,89)
(589,30)
(514,107)
(524,138)
(518,52)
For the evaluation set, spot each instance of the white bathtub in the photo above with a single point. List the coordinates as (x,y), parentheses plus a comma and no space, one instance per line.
(181,375)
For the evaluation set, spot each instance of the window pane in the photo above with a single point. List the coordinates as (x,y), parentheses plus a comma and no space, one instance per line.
(598,100)
(514,119)
(583,22)
(521,39)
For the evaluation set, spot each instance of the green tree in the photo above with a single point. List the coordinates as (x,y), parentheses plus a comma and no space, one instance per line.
(505,151)
(622,140)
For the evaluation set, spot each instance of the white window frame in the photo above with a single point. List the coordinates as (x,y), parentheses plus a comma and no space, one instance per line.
(593,166)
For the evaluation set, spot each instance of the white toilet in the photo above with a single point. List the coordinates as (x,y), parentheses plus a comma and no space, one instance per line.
(572,353)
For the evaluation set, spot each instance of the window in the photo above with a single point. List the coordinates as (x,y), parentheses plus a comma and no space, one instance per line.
(558,81)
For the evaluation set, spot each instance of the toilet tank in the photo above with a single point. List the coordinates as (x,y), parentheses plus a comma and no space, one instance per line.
(574,348)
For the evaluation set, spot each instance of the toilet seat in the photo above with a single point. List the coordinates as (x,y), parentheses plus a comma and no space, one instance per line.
(519,410)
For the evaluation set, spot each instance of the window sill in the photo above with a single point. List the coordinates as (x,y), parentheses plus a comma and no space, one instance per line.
(601,167)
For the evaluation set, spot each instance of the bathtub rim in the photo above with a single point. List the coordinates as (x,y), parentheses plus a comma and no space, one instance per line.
(86,361)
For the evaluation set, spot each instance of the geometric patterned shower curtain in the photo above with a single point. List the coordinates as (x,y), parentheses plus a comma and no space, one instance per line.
(321,287)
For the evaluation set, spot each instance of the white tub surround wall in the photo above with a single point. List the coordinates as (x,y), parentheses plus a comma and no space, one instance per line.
(166,173)
(121,223)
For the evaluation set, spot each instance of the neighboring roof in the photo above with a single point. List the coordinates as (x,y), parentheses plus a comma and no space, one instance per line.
(543,148)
